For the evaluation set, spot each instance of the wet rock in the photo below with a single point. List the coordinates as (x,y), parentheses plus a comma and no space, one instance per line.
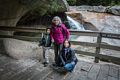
(91,8)
(98,9)
(114,10)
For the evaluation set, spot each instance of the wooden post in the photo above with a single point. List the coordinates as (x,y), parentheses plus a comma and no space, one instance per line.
(99,39)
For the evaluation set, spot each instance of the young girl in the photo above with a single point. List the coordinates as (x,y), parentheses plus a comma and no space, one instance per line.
(46,44)
(67,58)
(58,34)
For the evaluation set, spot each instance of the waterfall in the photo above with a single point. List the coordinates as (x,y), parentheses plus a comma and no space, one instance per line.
(74,24)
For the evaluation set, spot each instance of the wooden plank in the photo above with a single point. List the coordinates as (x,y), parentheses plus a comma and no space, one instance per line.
(33,29)
(22,29)
(112,78)
(114,71)
(75,72)
(103,74)
(85,68)
(4,60)
(50,77)
(12,71)
(81,73)
(59,76)
(99,39)
(37,71)
(85,53)
(119,73)
(42,74)
(110,35)
(30,72)
(84,43)
(26,38)
(13,68)
(84,33)
(19,74)
(113,59)
(93,73)
(105,46)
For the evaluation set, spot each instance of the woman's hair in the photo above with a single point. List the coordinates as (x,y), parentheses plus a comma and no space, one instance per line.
(68,43)
(58,18)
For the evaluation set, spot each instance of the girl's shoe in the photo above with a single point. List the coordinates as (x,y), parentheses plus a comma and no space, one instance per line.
(45,64)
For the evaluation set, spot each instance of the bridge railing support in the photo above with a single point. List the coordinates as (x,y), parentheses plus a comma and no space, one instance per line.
(99,39)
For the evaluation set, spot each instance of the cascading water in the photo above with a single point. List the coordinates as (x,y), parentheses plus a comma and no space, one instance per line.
(74,24)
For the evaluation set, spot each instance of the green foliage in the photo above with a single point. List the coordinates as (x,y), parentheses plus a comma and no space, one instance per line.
(71,2)
(49,6)
(114,3)
(54,6)
(94,2)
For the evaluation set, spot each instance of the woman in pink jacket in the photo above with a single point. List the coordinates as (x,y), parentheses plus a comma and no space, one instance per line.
(58,34)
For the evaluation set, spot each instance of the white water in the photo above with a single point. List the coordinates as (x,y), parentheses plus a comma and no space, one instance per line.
(74,24)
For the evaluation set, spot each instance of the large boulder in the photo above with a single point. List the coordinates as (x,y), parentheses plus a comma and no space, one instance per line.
(19,49)
(114,10)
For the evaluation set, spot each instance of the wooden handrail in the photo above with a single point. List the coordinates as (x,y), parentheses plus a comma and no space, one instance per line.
(98,45)
(73,32)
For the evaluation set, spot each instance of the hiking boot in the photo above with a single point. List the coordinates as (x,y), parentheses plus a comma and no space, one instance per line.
(45,64)
(55,65)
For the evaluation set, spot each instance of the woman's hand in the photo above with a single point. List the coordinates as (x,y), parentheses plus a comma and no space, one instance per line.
(52,41)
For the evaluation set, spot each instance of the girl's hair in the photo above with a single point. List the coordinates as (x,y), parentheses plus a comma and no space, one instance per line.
(68,43)
(47,29)
(58,18)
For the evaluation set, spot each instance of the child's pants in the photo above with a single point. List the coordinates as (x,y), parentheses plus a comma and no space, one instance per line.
(45,54)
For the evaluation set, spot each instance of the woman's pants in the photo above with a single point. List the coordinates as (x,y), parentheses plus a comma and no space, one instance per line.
(57,49)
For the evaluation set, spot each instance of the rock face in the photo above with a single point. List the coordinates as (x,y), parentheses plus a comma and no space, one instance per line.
(114,10)
(91,8)
(104,23)
(10,13)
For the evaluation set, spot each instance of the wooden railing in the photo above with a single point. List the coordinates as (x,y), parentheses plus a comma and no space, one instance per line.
(98,45)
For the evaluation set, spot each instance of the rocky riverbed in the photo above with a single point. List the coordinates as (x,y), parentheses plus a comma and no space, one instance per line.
(102,21)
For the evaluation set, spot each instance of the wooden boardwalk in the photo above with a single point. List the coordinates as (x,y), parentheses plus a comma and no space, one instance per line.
(11,69)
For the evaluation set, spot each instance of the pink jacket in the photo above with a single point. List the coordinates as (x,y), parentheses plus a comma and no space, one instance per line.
(58,33)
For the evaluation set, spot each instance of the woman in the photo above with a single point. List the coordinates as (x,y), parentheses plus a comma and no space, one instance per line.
(58,34)
(67,58)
